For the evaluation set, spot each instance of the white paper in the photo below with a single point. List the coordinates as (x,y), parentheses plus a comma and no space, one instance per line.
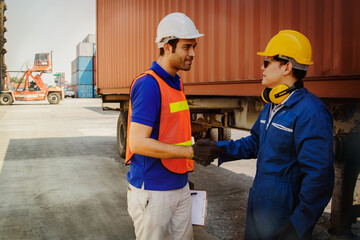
(199,204)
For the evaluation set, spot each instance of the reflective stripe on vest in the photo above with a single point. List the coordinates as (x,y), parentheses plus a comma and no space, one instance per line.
(175,126)
(187,143)
(178,106)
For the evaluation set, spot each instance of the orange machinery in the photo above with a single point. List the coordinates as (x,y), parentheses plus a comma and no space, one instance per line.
(34,89)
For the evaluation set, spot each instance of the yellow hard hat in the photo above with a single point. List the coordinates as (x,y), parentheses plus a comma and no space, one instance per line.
(290,43)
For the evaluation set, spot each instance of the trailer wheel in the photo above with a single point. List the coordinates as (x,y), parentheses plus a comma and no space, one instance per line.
(6,99)
(220,134)
(121,133)
(54,98)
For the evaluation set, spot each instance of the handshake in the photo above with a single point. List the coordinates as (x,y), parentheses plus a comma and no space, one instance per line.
(205,151)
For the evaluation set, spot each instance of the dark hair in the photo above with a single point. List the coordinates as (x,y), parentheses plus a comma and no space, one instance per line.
(297,73)
(173,43)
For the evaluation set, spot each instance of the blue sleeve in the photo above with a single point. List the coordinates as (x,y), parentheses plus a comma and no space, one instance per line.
(243,148)
(314,145)
(145,100)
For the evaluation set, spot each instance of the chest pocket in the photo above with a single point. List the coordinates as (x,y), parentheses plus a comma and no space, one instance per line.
(280,133)
(282,127)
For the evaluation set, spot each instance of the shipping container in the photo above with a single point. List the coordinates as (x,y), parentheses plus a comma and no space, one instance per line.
(224,83)
(73,66)
(94,70)
(84,64)
(90,38)
(84,77)
(84,91)
(73,79)
(226,62)
(85,49)
(95,94)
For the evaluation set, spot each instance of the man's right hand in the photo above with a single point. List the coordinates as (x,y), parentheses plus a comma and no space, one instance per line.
(205,151)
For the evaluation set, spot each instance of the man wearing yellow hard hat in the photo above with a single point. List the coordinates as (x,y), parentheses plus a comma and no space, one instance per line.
(292,141)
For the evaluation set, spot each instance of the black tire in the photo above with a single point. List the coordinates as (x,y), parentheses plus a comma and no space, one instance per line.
(121,133)
(53,98)
(6,99)
(220,134)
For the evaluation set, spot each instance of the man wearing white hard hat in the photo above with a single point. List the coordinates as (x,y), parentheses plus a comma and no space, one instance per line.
(292,141)
(159,148)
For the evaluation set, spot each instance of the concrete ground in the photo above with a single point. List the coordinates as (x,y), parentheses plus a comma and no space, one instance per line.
(61,178)
(60,173)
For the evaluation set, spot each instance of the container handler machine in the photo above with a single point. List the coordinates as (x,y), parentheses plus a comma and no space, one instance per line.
(34,89)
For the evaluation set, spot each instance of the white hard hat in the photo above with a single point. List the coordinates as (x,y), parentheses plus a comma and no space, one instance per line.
(176,25)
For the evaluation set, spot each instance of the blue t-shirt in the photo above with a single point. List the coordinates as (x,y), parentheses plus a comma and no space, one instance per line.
(146,108)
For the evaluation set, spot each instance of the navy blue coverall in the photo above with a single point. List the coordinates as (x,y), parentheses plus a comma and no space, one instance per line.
(294,173)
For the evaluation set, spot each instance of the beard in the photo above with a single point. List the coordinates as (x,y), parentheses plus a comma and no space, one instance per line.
(185,65)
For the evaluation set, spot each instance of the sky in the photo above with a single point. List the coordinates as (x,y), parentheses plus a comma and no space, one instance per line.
(37,26)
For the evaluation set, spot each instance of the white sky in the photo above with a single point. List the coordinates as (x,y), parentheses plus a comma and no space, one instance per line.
(36,26)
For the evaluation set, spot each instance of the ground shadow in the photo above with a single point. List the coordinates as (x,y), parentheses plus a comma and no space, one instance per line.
(99,110)
(61,147)
(64,188)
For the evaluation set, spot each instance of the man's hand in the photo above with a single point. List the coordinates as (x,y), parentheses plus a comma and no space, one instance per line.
(205,151)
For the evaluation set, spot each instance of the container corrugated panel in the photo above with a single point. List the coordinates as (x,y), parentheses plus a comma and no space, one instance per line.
(94,77)
(90,38)
(94,70)
(95,95)
(73,66)
(73,79)
(84,77)
(85,49)
(94,62)
(234,31)
(84,91)
(84,64)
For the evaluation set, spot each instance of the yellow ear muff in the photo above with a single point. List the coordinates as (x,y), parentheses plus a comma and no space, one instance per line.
(265,95)
(277,94)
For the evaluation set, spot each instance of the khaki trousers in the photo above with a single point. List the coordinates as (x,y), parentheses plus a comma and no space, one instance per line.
(161,215)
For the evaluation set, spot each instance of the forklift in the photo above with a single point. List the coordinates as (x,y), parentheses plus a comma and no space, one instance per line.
(34,89)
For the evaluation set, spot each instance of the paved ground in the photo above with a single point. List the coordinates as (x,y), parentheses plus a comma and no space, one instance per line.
(61,178)
(60,173)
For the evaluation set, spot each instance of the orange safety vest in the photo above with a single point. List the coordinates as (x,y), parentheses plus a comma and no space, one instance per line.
(175,126)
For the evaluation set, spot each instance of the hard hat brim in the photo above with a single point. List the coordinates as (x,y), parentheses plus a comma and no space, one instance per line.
(194,36)
(263,54)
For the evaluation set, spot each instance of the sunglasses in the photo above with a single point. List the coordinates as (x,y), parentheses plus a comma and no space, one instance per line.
(268,60)
(275,59)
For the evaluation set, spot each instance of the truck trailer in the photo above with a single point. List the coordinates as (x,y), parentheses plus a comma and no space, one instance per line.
(223,87)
